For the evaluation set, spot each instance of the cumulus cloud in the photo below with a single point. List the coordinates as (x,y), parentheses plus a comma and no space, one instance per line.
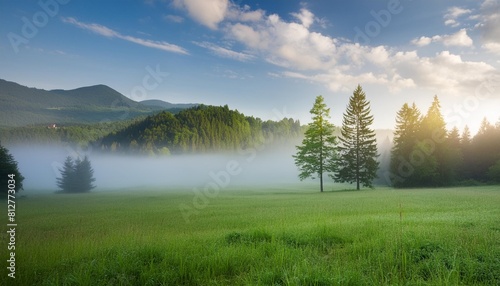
(489,25)
(287,44)
(207,12)
(452,14)
(444,73)
(109,33)
(459,39)
(244,14)
(305,17)
(338,63)
(422,41)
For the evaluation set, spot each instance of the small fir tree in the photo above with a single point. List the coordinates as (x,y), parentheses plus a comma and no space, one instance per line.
(77,176)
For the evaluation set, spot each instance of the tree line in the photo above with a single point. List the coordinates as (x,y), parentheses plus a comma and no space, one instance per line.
(424,152)
(197,130)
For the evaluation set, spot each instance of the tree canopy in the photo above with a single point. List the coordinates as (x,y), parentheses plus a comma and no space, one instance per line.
(425,154)
(77,176)
(317,154)
(197,130)
(8,166)
(357,161)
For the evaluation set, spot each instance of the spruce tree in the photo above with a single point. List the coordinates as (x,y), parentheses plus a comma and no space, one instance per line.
(454,157)
(9,171)
(66,181)
(317,153)
(468,154)
(358,150)
(405,139)
(84,175)
(430,171)
(77,176)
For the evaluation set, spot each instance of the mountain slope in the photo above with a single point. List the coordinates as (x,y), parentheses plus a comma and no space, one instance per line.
(98,95)
(163,105)
(23,106)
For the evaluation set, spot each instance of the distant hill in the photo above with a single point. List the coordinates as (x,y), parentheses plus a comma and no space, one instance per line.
(98,95)
(197,130)
(163,105)
(24,106)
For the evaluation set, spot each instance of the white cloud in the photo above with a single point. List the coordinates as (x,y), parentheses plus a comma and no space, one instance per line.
(244,14)
(207,12)
(340,64)
(287,44)
(459,39)
(422,41)
(173,18)
(489,25)
(224,52)
(445,73)
(305,17)
(492,47)
(109,33)
(452,14)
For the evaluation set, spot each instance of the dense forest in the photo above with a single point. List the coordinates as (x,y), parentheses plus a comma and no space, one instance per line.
(425,154)
(196,130)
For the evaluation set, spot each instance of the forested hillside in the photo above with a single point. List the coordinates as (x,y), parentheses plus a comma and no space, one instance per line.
(21,106)
(78,134)
(199,129)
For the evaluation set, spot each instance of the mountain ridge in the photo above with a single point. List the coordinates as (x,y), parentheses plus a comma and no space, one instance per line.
(27,106)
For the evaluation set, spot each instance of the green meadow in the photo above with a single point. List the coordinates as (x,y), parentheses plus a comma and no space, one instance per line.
(289,235)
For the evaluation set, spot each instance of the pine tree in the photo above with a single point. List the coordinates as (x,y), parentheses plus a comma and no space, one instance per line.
(432,145)
(405,139)
(317,153)
(77,176)
(486,151)
(84,175)
(358,151)
(465,147)
(66,181)
(453,158)
(8,166)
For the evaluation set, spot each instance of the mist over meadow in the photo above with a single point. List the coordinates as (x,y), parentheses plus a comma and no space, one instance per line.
(254,166)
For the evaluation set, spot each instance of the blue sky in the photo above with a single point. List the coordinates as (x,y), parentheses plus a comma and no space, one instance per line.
(265,58)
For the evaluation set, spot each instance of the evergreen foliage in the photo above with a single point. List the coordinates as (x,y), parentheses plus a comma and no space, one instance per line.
(197,130)
(8,166)
(317,154)
(77,176)
(358,150)
(405,138)
(425,154)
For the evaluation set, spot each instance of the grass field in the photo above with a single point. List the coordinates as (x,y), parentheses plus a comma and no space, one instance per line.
(290,235)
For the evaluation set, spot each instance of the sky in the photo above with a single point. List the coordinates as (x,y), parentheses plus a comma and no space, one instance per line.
(267,58)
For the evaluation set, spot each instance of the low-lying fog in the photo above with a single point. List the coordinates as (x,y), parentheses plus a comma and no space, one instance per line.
(40,167)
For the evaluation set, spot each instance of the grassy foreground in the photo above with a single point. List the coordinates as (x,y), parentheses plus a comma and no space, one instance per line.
(266,236)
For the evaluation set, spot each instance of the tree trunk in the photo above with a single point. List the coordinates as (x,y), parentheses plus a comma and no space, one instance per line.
(321,182)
